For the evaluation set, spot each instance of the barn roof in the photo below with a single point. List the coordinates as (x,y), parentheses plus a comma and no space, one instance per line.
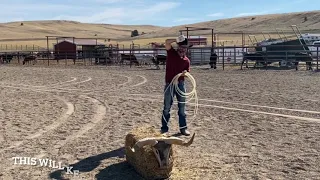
(82,42)
(197,37)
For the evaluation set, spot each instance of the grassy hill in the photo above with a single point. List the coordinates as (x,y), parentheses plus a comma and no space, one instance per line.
(34,32)
(252,24)
(40,29)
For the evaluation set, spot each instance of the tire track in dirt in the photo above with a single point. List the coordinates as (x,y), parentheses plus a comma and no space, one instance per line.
(262,112)
(62,119)
(145,80)
(56,124)
(241,104)
(129,80)
(260,92)
(237,109)
(88,92)
(83,91)
(269,107)
(65,115)
(43,86)
(114,124)
(98,116)
(121,86)
(100,113)
(80,82)
(110,127)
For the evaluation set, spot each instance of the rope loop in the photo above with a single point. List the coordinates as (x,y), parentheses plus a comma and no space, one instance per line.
(187,95)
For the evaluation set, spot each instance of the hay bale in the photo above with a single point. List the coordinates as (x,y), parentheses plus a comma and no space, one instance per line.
(143,160)
(150,153)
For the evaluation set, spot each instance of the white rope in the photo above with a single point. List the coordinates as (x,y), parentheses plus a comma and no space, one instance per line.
(187,95)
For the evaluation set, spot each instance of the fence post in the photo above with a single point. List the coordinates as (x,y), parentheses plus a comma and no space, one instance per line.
(235,55)
(317,58)
(286,56)
(201,51)
(266,56)
(223,56)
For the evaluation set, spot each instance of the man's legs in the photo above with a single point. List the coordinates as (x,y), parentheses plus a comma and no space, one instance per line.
(181,110)
(167,103)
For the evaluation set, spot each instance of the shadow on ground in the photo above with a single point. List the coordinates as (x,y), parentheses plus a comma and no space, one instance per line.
(119,171)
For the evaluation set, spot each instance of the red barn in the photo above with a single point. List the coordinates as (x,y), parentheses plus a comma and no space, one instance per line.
(68,49)
(197,40)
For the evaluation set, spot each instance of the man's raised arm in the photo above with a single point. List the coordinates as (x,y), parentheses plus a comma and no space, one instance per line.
(168,43)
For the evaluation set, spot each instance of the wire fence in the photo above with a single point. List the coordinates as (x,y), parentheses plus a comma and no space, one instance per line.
(277,55)
(16,47)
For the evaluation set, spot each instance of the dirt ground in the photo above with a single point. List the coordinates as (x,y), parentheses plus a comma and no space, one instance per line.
(251,124)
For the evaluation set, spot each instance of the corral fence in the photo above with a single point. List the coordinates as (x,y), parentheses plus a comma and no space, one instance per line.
(199,56)
(16,48)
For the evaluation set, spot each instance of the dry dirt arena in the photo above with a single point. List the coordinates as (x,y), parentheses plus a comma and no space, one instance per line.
(251,124)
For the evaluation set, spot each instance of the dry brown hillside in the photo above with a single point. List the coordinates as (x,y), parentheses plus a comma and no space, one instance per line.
(253,24)
(40,29)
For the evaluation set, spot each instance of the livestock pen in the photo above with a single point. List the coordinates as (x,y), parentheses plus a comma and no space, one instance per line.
(99,53)
(228,56)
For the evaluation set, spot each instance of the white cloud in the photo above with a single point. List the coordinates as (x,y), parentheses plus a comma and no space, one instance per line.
(185,19)
(256,13)
(111,14)
(215,15)
(122,14)
(116,12)
(25,10)
(251,13)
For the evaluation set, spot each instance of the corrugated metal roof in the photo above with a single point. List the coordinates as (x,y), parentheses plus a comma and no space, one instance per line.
(197,37)
(83,42)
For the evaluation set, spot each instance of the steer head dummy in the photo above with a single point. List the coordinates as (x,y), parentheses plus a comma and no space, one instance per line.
(161,147)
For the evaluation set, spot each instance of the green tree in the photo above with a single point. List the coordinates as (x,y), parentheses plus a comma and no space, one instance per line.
(134,33)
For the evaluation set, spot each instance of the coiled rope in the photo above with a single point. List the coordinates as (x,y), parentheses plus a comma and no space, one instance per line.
(187,95)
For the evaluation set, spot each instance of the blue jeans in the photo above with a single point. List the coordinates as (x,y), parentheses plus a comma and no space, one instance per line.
(168,101)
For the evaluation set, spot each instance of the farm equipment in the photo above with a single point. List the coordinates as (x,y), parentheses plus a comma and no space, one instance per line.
(286,52)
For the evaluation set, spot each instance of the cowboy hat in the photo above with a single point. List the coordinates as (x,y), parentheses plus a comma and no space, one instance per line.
(182,41)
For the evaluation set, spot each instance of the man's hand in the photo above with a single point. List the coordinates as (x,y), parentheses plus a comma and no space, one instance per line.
(184,73)
(168,43)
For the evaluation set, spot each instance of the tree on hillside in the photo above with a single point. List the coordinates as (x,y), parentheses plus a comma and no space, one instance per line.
(134,33)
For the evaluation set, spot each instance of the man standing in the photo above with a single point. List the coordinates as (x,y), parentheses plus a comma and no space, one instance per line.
(177,62)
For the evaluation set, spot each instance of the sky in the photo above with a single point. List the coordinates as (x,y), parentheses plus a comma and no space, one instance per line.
(146,12)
